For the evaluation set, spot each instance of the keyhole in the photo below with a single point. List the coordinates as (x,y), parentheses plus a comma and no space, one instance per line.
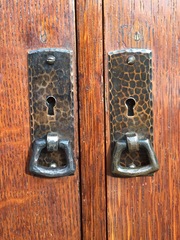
(51,102)
(130,103)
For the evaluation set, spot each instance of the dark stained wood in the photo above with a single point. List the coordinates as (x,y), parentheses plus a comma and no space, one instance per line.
(32,207)
(91,112)
(148,208)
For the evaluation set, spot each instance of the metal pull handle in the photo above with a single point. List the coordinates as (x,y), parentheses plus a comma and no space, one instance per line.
(52,143)
(131,112)
(132,143)
(52,111)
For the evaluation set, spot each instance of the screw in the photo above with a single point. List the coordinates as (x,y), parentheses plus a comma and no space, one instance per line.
(51,59)
(131,60)
(53,165)
(132,165)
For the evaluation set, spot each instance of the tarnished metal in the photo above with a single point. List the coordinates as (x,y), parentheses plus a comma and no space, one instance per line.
(132,170)
(130,84)
(51,59)
(131,60)
(51,102)
(132,141)
(52,141)
(53,165)
(53,170)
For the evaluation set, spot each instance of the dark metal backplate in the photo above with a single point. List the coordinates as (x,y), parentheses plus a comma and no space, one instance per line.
(131,81)
(54,79)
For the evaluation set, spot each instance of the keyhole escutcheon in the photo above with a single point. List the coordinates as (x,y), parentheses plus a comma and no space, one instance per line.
(50,102)
(130,104)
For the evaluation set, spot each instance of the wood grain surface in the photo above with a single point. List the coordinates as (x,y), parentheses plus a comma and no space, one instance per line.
(32,207)
(147,208)
(91,112)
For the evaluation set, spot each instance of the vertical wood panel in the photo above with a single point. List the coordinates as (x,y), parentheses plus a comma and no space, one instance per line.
(32,207)
(148,207)
(91,107)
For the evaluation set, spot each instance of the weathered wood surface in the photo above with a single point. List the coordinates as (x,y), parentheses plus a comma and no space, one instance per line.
(148,208)
(32,207)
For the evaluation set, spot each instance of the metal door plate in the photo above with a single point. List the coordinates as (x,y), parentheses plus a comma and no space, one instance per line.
(51,98)
(130,79)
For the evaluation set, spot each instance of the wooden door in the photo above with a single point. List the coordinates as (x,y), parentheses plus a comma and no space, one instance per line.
(92,204)
(32,207)
(144,207)
(91,118)
(147,207)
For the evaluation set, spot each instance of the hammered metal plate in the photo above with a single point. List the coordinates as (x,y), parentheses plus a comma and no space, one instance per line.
(131,81)
(51,80)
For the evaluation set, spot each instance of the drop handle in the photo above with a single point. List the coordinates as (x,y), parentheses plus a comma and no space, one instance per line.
(51,86)
(131,112)
(132,143)
(53,143)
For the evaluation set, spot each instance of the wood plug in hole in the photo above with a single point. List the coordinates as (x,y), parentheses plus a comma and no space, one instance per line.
(51,102)
(130,103)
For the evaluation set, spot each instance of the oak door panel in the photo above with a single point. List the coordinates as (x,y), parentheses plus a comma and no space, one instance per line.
(32,207)
(91,113)
(148,207)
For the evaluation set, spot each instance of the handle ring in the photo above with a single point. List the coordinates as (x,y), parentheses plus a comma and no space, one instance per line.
(51,172)
(121,171)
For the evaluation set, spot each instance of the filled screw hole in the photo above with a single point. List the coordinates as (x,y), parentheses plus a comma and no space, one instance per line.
(51,102)
(130,103)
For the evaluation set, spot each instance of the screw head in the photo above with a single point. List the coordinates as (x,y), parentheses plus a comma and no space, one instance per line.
(132,165)
(51,59)
(53,165)
(131,60)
